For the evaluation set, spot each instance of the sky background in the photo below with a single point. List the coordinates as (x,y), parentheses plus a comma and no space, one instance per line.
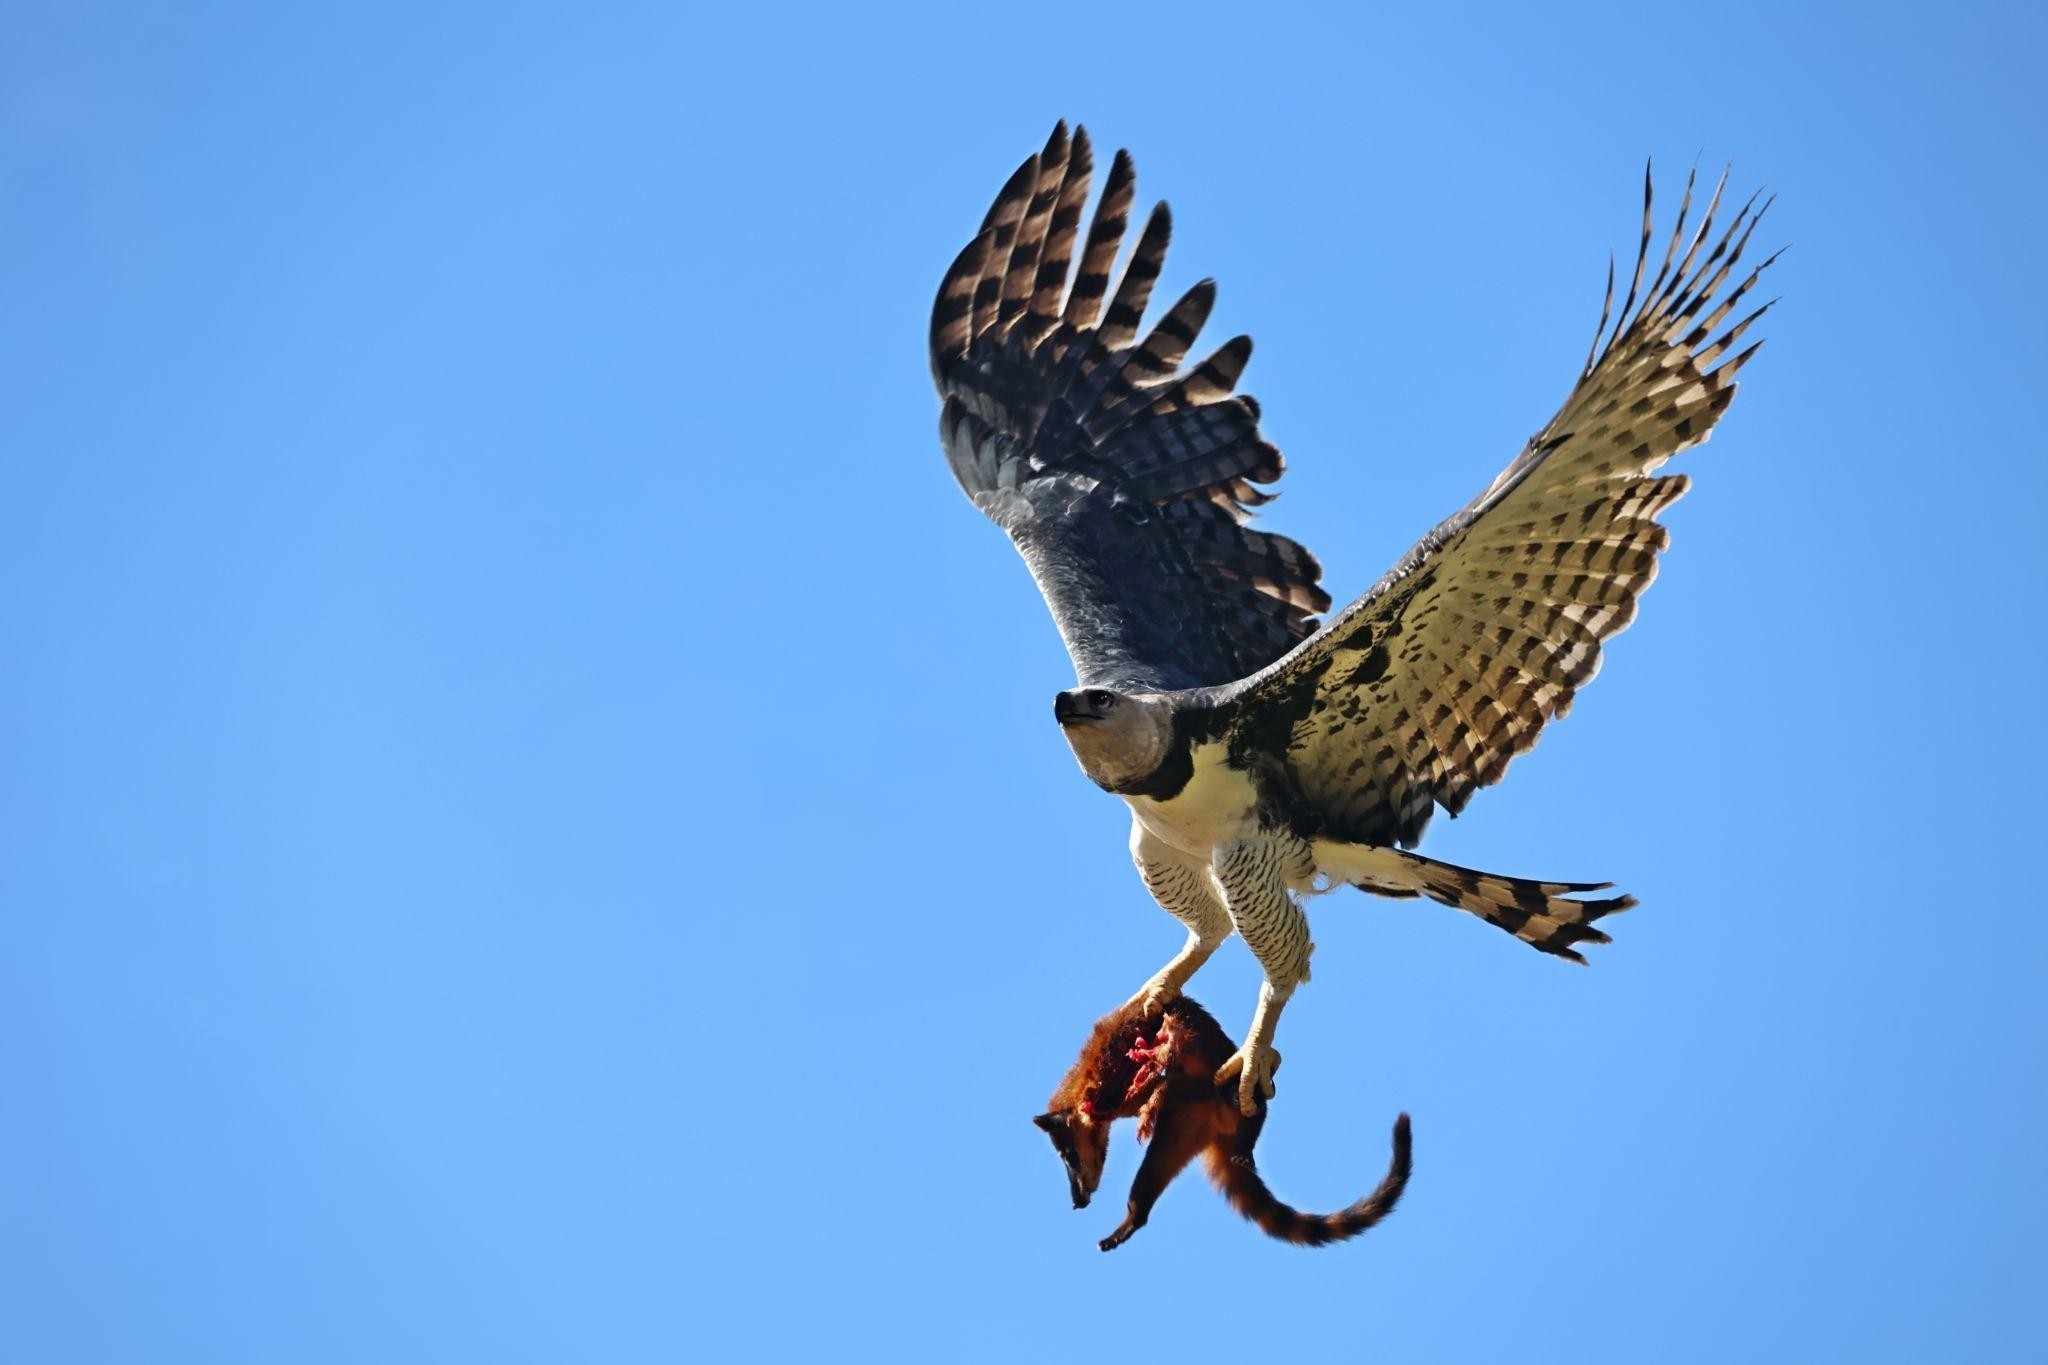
(530,828)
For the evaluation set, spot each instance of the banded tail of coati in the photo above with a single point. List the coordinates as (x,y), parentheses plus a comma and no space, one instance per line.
(1161,1072)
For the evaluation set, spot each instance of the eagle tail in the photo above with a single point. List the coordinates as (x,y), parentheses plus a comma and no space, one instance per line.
(1548,916)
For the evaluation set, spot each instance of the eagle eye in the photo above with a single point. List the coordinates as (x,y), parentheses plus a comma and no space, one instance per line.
(1101,701)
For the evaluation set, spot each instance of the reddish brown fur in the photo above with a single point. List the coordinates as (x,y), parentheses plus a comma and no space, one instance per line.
(1183,1113)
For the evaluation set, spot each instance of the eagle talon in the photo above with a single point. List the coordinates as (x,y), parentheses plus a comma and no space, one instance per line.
(1254,1081)
(1153,997)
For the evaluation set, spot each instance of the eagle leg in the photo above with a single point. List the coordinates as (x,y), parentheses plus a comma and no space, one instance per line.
(1183,887)
(1251,1067)
(1253,876)
(1169,981)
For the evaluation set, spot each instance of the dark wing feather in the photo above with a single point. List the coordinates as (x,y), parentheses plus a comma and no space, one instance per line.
(1424,689)
(1124,480)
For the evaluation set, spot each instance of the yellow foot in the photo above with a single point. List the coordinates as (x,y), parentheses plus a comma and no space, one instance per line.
(1252,1080)
(1153,997)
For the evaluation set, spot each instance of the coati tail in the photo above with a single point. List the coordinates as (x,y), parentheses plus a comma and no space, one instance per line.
(1541,914)
(1247,1193)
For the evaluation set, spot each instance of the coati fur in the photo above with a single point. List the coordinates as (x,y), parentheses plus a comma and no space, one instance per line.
(1161,1072)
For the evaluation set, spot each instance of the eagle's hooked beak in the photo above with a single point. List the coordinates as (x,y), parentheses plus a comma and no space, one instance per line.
(1069,707)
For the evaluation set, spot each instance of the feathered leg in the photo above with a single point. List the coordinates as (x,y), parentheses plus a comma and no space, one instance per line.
(1183,886)
(1253,878)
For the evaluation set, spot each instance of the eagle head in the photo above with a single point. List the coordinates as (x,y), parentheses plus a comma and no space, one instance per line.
(1084,706)
(1120,738)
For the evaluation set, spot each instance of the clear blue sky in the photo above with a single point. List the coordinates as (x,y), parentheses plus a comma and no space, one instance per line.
(530,828)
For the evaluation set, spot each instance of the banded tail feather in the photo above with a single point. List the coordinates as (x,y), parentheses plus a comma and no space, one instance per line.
(1548,916)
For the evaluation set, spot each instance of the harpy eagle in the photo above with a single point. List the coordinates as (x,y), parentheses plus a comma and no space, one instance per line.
(1265,758)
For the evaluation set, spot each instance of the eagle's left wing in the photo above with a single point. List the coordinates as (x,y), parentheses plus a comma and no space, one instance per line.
(1424,689)
(1124,480)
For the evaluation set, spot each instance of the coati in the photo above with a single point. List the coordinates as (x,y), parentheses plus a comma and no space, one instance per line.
(1161,1073)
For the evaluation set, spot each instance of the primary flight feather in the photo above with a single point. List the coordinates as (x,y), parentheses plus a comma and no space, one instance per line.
(1264,758)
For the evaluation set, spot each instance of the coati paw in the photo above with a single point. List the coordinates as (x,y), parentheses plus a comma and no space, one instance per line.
(1254,1081)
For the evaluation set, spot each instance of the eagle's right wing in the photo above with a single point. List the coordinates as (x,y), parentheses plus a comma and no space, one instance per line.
(1424,689)
(1124,481)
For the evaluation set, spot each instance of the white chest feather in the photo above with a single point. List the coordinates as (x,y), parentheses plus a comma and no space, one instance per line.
(1217,806)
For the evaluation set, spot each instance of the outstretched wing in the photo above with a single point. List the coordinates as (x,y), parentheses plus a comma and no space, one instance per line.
(1124,480)
(1424,689)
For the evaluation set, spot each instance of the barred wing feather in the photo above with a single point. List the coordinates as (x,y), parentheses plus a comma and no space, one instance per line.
(1125,480)
(1424,689)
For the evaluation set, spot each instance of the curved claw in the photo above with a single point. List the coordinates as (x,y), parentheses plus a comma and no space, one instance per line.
(1253,1081)
(1153,997)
